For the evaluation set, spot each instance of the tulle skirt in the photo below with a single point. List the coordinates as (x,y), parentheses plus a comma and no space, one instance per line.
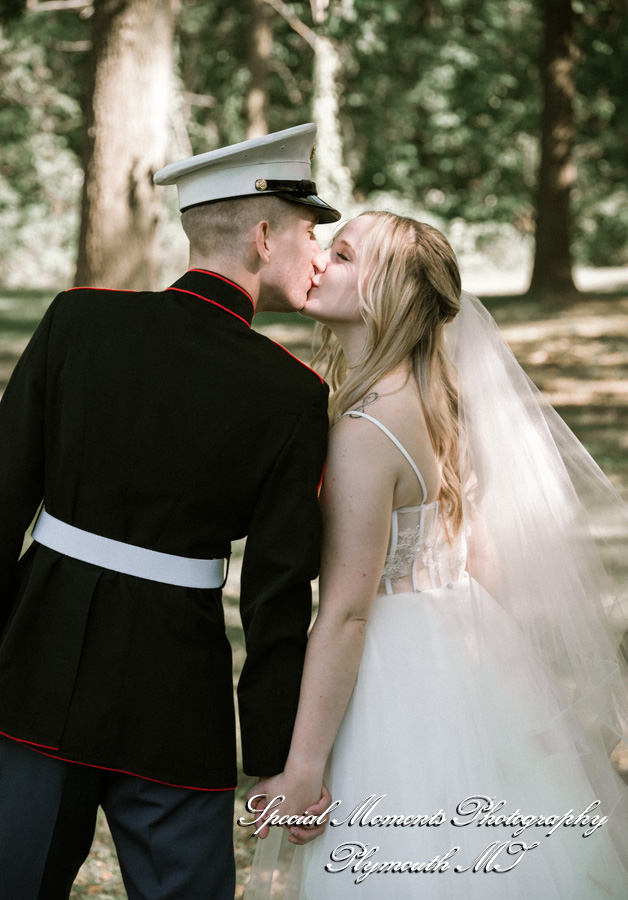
(457,774)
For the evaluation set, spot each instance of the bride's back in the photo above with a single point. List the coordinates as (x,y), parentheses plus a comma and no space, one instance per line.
(395,447)
(396,403)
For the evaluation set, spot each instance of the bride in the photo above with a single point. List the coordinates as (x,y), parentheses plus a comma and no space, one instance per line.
(461,689)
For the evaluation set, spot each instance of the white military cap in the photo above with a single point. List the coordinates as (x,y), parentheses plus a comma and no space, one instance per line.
(277,164)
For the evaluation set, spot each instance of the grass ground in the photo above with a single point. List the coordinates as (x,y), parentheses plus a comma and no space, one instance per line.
(575,351)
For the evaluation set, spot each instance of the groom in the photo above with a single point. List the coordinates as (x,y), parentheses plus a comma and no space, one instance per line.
(159,427)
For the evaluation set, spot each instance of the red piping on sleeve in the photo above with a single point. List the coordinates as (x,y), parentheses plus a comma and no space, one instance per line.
(320,480)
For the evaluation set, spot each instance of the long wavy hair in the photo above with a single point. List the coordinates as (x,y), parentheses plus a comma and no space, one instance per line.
(409,288)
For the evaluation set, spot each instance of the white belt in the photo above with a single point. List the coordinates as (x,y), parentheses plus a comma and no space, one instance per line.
(127,558)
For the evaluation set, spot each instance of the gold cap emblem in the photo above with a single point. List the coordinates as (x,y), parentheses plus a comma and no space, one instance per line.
(313,153)
(261,184)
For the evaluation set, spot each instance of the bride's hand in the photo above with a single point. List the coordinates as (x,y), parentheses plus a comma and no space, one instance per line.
(305,795)
(302,834)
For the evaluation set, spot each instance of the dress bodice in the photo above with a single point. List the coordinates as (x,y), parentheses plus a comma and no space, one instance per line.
(420,555)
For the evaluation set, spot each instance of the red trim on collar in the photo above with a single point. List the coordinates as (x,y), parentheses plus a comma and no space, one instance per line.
(213,302)
(314,372)
(87,288)
(222,278)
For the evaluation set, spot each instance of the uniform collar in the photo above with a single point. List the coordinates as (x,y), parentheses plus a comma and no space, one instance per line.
(217,290)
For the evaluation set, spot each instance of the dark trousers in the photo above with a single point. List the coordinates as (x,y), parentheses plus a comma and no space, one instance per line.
(172,843)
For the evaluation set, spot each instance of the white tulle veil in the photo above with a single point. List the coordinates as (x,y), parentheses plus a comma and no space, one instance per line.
(538,511)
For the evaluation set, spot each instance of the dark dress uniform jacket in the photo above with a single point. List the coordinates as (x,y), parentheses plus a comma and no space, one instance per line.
(161,420)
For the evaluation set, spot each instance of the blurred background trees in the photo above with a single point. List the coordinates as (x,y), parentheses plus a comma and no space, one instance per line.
(557,170)
(446,107)
(125,141)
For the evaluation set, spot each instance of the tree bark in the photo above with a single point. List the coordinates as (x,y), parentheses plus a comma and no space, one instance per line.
(333,179)
(260,50)
(125,142)
(552,261)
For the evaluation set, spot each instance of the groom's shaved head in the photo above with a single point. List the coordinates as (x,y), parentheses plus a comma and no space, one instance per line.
(214,228)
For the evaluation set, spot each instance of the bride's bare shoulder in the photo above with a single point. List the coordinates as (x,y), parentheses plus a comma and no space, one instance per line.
(391,402)
(394,401)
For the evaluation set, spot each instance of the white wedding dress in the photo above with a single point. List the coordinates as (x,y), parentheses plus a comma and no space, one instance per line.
(452,703)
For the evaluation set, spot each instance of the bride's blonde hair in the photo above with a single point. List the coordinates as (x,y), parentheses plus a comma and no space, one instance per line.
(409,288)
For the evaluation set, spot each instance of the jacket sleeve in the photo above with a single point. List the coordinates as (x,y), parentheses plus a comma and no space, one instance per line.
(21,455)
(282,556)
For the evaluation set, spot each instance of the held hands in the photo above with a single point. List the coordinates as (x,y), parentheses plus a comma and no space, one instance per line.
(303,797)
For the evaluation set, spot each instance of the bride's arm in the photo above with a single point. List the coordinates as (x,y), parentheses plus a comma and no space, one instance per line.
(356,500)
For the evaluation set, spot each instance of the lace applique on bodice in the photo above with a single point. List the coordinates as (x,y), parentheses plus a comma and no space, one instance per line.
(420,557)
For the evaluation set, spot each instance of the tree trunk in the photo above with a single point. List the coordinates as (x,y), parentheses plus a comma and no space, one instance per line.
(333,179)
(552,260)
(260,50)
(125,143)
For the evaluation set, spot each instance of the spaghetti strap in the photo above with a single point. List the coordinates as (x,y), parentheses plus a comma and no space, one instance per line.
(363,415)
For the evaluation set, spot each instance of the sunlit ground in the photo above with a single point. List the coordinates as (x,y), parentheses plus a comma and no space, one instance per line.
(577,353)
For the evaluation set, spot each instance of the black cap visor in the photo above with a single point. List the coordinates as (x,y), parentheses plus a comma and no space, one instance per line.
(301,192)
(326,213)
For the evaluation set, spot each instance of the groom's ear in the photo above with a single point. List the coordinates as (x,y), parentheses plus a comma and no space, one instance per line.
(260,236)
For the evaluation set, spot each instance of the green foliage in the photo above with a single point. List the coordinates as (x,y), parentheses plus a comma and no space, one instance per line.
(211,56)
(601,199)
(455,95)
(440,104)
(41,127)
(11,9)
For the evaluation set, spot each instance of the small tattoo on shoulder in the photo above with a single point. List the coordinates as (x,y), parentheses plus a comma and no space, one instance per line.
(370,398)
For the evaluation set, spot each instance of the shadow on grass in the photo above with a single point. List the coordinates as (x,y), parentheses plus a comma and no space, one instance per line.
(541,305)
